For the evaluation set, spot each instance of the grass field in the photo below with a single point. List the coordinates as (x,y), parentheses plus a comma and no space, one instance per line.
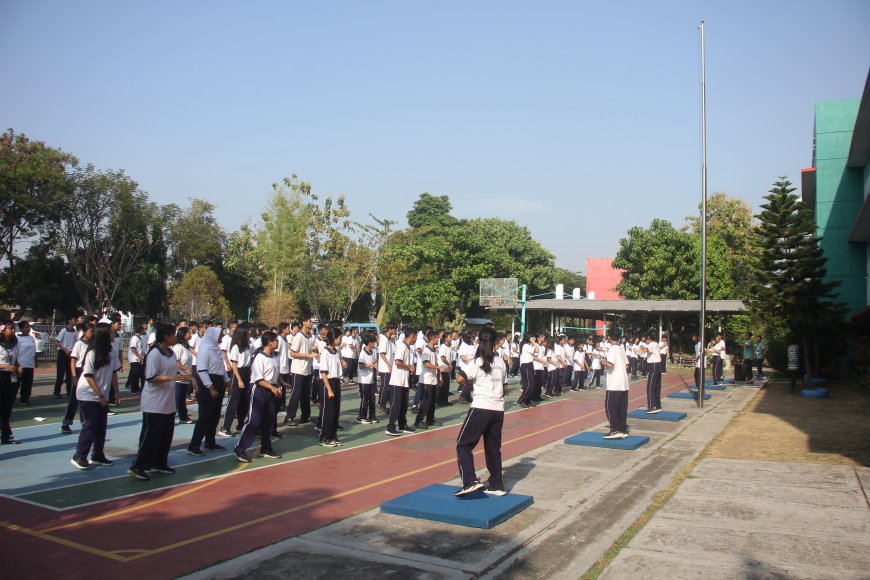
(780,426)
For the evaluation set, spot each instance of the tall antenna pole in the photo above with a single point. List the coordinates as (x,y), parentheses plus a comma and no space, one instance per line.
(703,315)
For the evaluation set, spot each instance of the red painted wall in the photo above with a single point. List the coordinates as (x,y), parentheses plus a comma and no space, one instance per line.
(602,278)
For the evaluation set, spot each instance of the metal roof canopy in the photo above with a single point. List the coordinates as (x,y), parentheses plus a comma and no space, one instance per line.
(594,308)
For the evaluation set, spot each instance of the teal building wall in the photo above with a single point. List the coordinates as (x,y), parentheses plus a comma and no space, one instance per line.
(839,197)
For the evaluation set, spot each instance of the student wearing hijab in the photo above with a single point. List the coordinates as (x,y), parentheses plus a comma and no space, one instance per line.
(209,394)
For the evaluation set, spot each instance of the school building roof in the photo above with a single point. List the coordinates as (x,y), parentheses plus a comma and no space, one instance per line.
(593,308)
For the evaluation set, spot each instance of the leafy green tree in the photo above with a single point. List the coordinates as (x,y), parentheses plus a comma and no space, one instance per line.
(730,219)
(33,186)
(431,274)
(100,233)
(431,211)
(193,237)
(44,283)
(244,271)
(282,239)
(199,296)
(790,289)
(663,263)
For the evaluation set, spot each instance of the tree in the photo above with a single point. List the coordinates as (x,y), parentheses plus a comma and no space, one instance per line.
(663,263)
(283,236)
(430,274)
(33,185)
(431,211)
(244,280)
(44,283)
(199,296)
(790,289)
(100,233)
(194,237)
(278,306)
(730,219)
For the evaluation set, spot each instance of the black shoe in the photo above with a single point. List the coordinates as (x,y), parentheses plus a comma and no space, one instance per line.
(214,447)
(57,395)
(65,429)
(276,435)
(195,451)
(392,432)
(241,455)
(470,488)
(165,469)
(80,462)
(419,425)
(434,423)
(407,429)
(497,490)
(187,421)
(102,460)
(290,423)
(270,454)
(139,474)
(302,421)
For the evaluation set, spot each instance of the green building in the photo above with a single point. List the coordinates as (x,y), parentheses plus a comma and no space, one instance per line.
(837,188)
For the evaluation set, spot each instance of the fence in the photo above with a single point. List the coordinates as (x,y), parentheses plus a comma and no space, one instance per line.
(48,333)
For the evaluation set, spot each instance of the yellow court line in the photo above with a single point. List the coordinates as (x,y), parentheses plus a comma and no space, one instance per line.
(63,542)
(145,553)
(142,506)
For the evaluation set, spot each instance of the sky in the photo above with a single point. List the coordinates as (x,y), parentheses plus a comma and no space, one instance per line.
(576,119)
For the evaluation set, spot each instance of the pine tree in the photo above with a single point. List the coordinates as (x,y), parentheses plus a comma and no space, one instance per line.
(790,289)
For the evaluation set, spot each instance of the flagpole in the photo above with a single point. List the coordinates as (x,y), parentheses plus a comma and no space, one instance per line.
(703,314)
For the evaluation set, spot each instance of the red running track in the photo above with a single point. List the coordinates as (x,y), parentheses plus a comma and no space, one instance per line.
(172,532)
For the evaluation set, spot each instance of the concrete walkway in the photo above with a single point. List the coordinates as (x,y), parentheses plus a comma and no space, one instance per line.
(757,519)
(585,498)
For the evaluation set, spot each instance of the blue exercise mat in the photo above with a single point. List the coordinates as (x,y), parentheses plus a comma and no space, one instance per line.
(477,510)
(712,387)
(685,395)
(663,416)
(593,439)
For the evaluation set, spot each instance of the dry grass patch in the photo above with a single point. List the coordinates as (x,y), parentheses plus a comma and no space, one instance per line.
(779,426)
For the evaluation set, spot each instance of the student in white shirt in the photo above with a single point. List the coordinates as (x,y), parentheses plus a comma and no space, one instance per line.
(65,340)
(158,401)
(654,377)
(27,361)
(302,354)
(209,395)
(240,356)
(595,382)
(77,359)
(349,353)
(429,381)
(368,363)
(92,392)
(386,350)
(399,383)
(264,399)
(488,376)
(283,364)
(616,397)
(718,350)
(515,356)
(135,356)
(184,361)
(8,380)
(330,395)
(580,370)
(467,353)
(417,361)
(444,357)
(527,371)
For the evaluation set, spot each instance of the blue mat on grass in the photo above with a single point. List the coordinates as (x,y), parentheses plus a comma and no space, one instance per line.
(476,510)
(593,439)
(663,416)
(685,395)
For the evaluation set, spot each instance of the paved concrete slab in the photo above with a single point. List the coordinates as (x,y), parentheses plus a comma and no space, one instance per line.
(584,499)
(756,519)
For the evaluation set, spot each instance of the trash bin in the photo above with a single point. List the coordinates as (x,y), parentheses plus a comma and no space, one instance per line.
(738,373)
